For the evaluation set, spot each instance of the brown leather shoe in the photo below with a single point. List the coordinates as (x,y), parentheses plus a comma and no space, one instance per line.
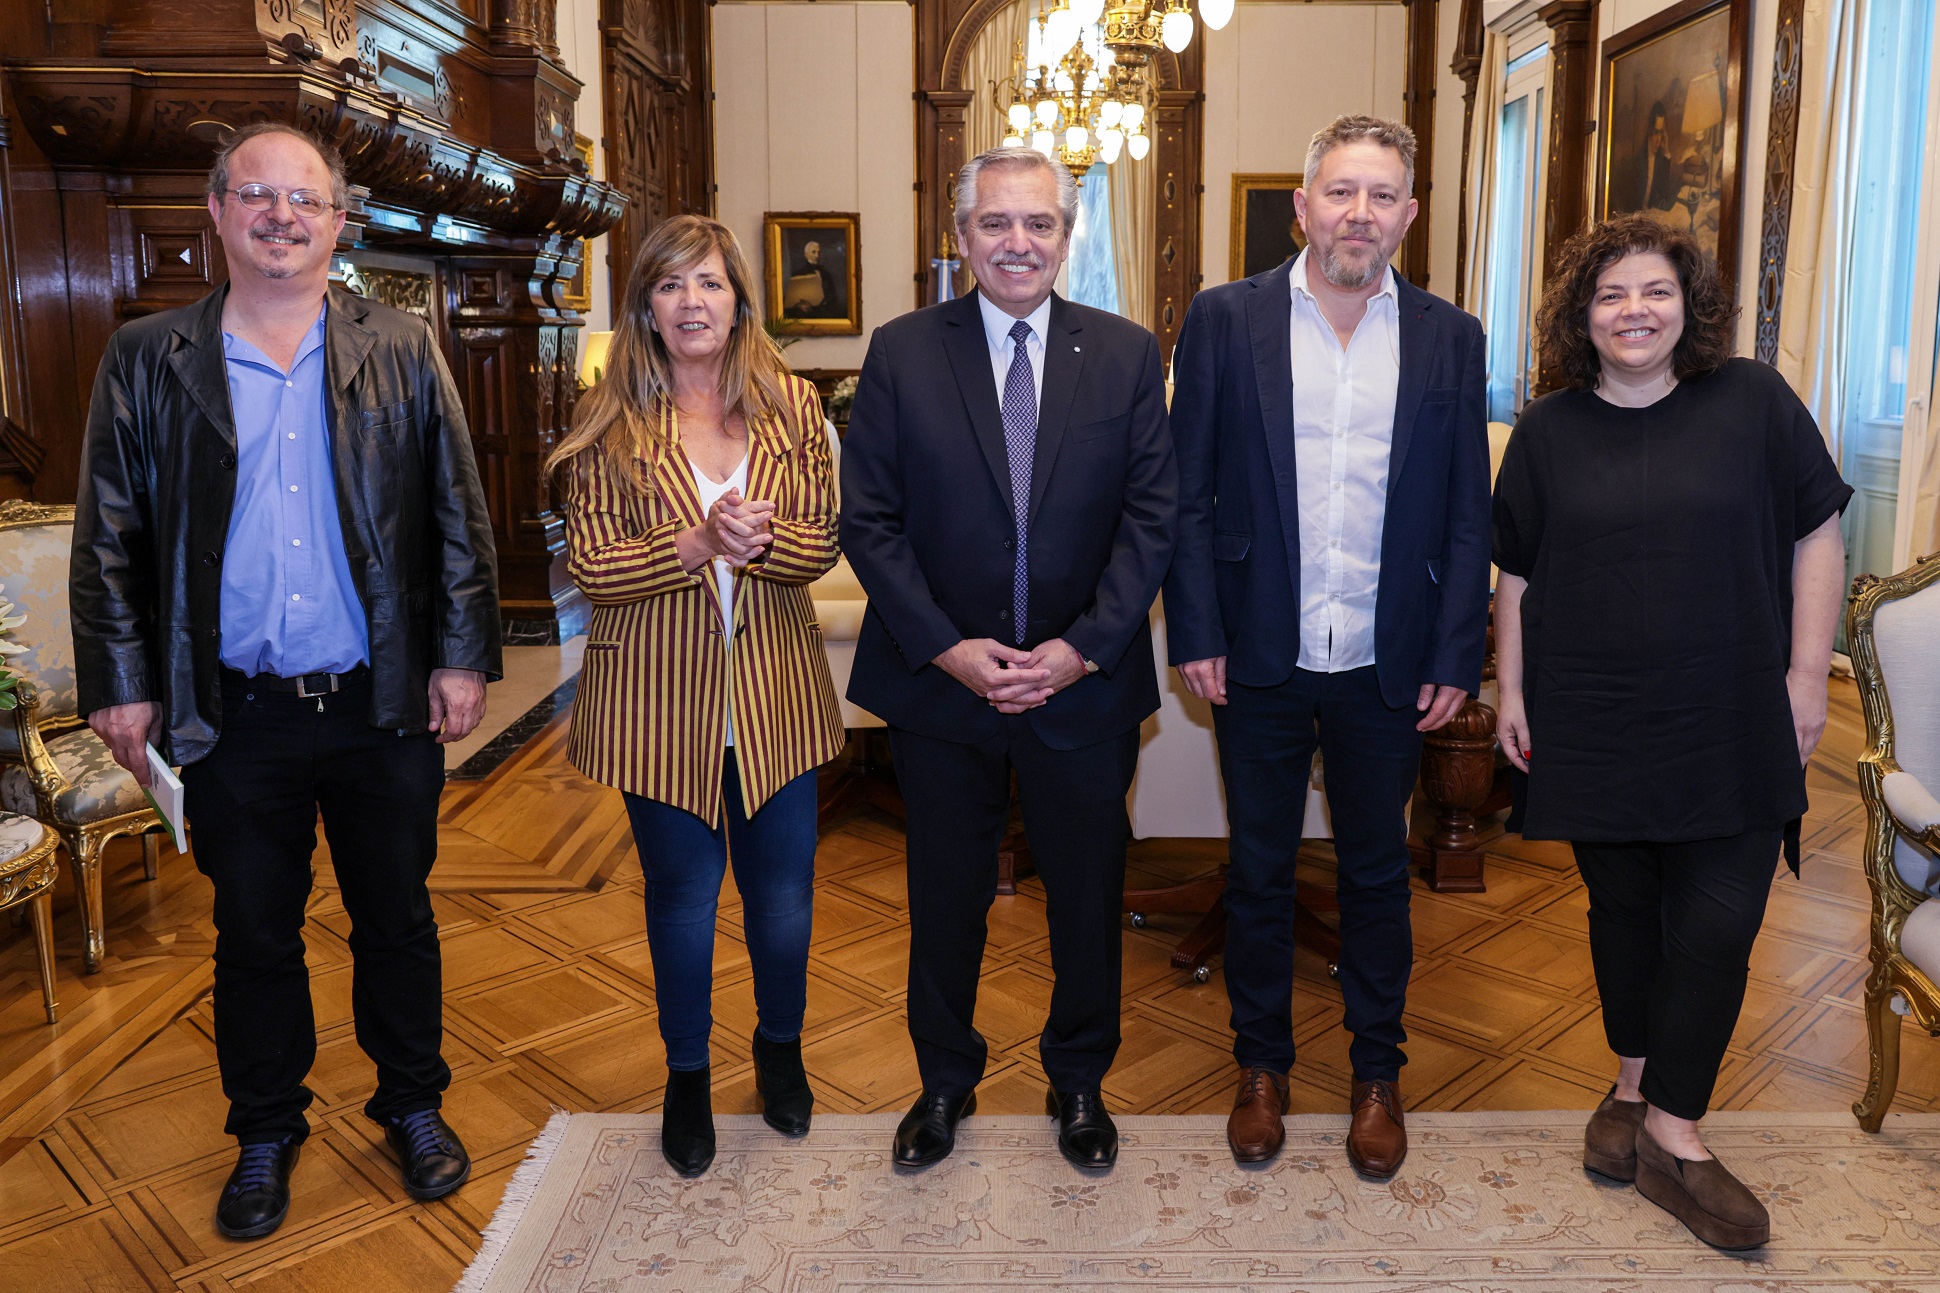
(1377,1138)
(1254,1129)
(1610,1138)
(1702,1194)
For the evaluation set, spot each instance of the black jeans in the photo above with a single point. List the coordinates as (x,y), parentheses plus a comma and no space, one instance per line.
(252,807)
(1671,929)
(958,802)
(1372,754)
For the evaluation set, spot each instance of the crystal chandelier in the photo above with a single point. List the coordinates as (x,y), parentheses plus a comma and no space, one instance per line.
(1084,88)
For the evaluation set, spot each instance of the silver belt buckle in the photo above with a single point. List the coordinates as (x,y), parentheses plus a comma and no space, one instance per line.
(303,682)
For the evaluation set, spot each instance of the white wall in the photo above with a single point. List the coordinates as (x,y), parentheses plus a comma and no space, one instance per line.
(1278,73)
(579,49)
(812,112)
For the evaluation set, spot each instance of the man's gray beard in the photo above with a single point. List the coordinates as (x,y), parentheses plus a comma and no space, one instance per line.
(278,272)
(1350,278)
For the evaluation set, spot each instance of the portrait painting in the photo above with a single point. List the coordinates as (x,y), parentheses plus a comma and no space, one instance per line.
(1672,118)
(1265,232)
(814,274)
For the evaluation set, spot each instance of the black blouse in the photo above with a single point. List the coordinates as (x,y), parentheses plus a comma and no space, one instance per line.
(1657,626)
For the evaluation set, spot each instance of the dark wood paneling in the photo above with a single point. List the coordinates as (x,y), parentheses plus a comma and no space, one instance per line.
(1566,207)
(1419,113)
(1467,64)
(659,119)
(455,120)
(1781,153)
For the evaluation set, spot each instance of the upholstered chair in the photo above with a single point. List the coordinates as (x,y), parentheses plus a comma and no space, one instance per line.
(27,874)
(55,769)
(1893,634)
(839,606)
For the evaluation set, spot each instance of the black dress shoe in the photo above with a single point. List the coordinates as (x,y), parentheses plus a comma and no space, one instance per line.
(1086,1134)
(687,1121)
(434,1160)
(782,1083)
(928,1131)
(256,1197)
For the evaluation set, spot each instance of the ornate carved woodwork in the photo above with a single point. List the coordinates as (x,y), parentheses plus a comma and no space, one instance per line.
(945,31)
(1781,154)
(455,119)
(1572,53)
(659,118)
(1419,115)
(1467,64)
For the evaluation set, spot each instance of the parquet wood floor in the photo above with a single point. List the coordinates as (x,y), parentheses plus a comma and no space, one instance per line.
(111,1149)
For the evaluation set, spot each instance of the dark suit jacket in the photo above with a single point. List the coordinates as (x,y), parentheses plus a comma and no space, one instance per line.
(927,523)
(1234,589)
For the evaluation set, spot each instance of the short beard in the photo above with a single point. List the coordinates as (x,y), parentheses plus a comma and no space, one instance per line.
(1350,278)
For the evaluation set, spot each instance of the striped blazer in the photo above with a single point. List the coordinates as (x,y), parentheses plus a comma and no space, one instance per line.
(659,675)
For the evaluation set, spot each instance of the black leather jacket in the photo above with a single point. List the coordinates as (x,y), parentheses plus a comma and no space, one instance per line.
(158,484)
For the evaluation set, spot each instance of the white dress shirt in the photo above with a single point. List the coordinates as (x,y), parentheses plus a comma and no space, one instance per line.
(996,331)
(1343,428)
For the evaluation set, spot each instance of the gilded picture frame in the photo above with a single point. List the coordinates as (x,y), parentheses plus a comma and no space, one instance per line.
(1264,231)
(813,273)
(1671,114)
(578,292)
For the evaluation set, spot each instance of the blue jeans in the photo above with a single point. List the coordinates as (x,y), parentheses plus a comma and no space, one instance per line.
(684,860)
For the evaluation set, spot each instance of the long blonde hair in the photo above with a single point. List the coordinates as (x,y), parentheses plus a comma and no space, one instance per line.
(618,416)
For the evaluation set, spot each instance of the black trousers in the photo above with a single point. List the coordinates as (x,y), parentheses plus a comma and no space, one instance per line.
(1671,929)
(958,802)
(252,806)
(1372,754)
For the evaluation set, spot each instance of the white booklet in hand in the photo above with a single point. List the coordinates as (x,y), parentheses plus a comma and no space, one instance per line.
(165,792)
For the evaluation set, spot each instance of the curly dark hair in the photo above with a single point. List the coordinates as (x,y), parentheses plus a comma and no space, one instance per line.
(1563,318)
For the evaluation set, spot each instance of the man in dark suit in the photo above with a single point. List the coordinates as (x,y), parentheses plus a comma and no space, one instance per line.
(1330,589)
(1008,493)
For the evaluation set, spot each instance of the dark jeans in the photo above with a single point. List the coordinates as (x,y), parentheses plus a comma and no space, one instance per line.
(958,802)
(252,806)
(1372,753)
(684,861)
(1671,929)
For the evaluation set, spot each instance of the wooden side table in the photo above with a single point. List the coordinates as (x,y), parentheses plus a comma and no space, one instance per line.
(27,871)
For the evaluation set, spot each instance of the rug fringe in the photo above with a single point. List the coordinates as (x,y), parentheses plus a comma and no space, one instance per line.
(511,1208)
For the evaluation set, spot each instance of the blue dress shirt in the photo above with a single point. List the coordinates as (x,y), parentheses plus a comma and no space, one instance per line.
(288,604)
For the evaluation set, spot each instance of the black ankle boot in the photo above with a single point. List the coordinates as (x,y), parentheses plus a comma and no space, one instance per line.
(687,1122)
(782,1084)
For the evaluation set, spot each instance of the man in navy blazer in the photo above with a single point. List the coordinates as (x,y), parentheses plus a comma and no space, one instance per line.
(1330,590)
(1008,501)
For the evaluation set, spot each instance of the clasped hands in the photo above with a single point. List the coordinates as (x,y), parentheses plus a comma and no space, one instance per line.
(1206,679)
(1013,680)
(736,530)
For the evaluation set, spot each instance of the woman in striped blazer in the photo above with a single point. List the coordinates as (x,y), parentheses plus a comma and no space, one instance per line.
(699,506)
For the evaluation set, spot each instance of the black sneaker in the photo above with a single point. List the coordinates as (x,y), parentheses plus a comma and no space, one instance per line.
(256,1197)
(434,1161)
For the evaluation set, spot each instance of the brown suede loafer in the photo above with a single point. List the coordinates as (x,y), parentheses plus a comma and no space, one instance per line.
(1702,1194)
(1254,1129)
(1377,1135)
(1610,1138)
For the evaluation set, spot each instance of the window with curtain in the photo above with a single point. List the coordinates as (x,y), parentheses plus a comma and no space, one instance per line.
(1512,240)
(1093,276)
(1895,55)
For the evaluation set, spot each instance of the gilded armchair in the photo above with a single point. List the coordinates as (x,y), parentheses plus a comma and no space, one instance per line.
(1893,634)
(51,766)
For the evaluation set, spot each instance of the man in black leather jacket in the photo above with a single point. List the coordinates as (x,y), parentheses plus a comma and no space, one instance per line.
(283,578)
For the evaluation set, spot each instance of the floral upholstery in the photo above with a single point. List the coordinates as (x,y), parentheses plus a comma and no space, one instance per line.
(17,835)
(33,566)
(97,787)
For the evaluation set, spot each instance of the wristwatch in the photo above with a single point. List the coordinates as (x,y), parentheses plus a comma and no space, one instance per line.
(1091,666)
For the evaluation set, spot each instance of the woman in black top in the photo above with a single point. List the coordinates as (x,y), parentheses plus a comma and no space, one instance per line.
(1667,530)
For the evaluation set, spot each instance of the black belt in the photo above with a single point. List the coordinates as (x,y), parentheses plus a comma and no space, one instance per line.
(308,686)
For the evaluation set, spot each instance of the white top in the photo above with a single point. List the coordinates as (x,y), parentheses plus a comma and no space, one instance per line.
(1343,429)
(996,331)
(711,492)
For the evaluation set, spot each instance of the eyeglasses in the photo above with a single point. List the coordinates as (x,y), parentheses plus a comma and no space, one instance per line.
(261,197)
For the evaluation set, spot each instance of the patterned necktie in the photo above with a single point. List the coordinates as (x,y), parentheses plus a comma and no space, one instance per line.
(1020,440)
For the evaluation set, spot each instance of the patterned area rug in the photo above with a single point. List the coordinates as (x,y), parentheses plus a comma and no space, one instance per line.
(1486,1203)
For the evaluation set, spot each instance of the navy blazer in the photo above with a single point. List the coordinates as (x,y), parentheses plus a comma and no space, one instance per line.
(928,528)
(1234,589)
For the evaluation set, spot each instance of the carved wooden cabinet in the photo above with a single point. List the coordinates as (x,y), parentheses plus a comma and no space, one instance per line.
(456,121)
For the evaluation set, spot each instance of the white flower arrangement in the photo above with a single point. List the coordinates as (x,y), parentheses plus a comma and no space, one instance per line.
(9,621)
